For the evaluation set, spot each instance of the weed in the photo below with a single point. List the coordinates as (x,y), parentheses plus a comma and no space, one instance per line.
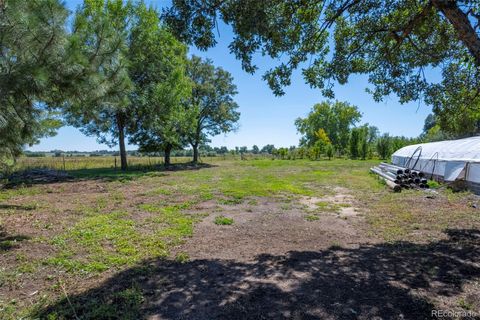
(327,206)
(432,184)
(462,303)
(231,201)
(182,257)
(222,220)
(311,217)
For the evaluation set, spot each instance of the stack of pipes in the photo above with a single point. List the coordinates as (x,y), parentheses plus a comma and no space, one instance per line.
(399,178)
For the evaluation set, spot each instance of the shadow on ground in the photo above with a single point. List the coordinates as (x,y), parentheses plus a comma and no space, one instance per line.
(47,176)
(9,242)
(386,281)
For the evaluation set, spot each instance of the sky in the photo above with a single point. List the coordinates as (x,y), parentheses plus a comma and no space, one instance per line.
(265,118)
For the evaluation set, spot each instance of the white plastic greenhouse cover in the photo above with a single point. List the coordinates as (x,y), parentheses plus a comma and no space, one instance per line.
(450,160)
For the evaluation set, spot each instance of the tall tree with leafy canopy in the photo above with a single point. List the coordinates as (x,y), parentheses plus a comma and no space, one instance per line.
(158,70)
(335,118)
(211,105)
(34,72)
(101,34)
(393,42)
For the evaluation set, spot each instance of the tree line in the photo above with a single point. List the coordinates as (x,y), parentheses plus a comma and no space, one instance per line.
(331,129)
(114,70)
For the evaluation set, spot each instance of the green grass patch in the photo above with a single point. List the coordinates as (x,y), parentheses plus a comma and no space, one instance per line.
(7,194)
(231,201)
(311,217)
(327,206)
(432,184)
(107,240)
(222,220)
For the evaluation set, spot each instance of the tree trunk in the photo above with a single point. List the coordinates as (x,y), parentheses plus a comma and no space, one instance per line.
(195,152)
(121,143)
(460,22)
(167,151)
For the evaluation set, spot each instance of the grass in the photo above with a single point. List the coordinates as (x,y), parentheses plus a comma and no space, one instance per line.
(109,240)
(328,206)
(311,217)
(96,227)
(105,241)
(223,221)
(182,257)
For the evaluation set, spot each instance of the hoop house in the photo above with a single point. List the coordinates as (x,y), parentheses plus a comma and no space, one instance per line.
(449,161)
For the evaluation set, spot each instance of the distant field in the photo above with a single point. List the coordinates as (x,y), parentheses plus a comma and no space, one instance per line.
(204,241)
(79,163)
(112,162)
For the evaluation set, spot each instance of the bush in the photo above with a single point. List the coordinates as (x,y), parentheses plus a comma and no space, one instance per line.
(330,150)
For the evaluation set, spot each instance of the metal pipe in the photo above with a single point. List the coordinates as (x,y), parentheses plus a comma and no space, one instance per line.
(395,187)
(393,169)
(388,179)
(406,170)
(388,173)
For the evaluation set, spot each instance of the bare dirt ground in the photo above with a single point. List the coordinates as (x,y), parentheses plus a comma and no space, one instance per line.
(271,226)
(274,264)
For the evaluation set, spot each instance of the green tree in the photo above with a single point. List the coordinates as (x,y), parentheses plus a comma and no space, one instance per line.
(429,123)
(456,101)
(157,68)
(211,104)
(255,149)
(269,148)
(282,153)
(101,33)
(354,143)
(223,150)
(364,138)
(335,118)
(36,73)
(432,130)
(383,145)
(393,42)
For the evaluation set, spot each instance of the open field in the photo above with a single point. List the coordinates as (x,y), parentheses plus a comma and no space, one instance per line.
(81,163)
(232,239)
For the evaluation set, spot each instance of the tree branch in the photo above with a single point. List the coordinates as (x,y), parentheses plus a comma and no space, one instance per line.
(405,31)
(460,22)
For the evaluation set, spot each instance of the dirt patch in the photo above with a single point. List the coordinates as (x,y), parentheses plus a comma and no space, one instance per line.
(340,202)
(269,226)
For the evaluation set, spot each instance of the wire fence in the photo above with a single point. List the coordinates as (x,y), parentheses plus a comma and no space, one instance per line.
(70,163)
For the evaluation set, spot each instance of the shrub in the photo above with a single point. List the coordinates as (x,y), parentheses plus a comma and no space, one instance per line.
(330,150)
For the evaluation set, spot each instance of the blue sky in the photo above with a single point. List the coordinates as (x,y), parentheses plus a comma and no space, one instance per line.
(266,119)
